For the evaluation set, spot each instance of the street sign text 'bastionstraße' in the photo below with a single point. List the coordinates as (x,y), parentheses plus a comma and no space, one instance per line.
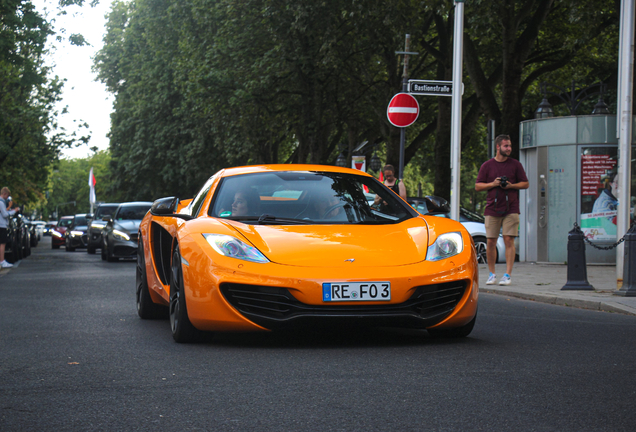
(432,88)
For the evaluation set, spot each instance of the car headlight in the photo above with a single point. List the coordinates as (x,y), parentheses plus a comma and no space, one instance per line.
(77,233)
(232,247)
(120,235)
(445,246)
(56,233)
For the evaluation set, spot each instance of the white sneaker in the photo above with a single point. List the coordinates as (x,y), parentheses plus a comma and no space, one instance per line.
(5,264)
(491,279)
(505,280)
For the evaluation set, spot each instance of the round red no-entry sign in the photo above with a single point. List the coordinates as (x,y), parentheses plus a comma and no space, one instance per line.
(403,110)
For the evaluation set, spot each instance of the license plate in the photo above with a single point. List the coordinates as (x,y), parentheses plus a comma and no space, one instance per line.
(356,291)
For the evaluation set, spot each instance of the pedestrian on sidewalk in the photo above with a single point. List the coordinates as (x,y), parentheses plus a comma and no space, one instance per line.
(502,177)
(4,223)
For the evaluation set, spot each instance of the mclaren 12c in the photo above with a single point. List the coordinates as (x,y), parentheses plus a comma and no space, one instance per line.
(268,247)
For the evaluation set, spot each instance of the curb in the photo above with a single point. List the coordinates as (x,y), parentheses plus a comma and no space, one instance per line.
(598,305)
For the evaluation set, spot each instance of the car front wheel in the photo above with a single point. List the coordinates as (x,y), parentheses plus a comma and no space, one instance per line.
(182,329)
(481,247)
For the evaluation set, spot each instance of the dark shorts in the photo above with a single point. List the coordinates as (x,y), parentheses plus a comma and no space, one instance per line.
(3,235)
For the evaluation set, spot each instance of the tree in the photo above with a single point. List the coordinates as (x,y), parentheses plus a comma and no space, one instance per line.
(29,136)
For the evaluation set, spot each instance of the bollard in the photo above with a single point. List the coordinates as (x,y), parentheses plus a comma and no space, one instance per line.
(577,270)
(629,265)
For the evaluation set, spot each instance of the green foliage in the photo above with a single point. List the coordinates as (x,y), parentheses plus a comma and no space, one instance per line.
(30,139)
(204,84)
(68,189)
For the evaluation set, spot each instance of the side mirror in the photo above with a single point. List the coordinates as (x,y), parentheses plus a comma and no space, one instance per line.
(164,206)
(436,204)
(167,207)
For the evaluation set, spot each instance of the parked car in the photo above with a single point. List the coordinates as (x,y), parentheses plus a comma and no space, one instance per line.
(49,227)
(33,233)
(57,234)
(96,225)
(76,234)
(13,251)
(39,228)
(18,244)
(268,247)
(119,237)
(473,222)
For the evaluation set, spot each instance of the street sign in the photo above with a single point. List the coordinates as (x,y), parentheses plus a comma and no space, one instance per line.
(431,88)
(403,110)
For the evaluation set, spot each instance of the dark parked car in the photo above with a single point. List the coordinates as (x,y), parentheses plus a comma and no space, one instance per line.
(119,238)
(57,235)
(76,234)
(96,225)
(18,244)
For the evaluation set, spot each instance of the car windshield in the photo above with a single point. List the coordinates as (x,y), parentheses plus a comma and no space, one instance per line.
(306,198)
(136,212)
(65,223)
(80,220)
(103,211)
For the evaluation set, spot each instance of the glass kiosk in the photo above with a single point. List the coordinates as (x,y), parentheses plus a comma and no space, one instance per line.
(571,164)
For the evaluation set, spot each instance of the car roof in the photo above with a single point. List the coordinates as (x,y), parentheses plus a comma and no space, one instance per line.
(134,203)
(252,169)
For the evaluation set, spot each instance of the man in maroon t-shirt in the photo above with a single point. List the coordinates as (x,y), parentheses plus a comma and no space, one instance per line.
(502,177)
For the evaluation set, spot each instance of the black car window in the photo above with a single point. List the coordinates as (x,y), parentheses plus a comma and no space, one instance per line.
(103,211)
(132,212)
(79,221)
(197,202)
(65,223)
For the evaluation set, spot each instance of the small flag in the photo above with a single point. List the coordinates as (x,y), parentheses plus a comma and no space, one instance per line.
(91,184)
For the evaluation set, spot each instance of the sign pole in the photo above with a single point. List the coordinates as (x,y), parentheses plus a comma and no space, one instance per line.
(405,85)
(405,80)
(456,112)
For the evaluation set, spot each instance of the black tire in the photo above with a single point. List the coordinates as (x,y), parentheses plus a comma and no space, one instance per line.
(90,249)
(104,252)
(480,248)
(457,332)
(68,246)
(146,308)
(182,329)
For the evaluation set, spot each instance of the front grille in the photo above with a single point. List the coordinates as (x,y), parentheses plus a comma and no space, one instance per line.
(274,306)
(125,252)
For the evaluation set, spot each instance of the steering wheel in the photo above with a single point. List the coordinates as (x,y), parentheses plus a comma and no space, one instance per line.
(332,208)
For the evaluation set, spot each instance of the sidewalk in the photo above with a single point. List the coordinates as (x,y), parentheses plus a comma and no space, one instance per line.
(543,283)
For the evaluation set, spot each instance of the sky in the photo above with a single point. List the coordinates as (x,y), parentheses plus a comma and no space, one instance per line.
(87,100)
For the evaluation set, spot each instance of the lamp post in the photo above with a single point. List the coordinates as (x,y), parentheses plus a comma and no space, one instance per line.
(572,99)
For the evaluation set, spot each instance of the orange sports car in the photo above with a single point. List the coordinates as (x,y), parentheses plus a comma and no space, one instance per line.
(266,247)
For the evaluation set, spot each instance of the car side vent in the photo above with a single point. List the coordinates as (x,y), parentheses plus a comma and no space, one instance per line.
(162,251)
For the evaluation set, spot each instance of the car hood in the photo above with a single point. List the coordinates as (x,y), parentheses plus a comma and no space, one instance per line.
(336,245)
(129,226)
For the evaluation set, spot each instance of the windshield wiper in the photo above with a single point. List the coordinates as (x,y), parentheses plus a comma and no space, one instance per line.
(266,219)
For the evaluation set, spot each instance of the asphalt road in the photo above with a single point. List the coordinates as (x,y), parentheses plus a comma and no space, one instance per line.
(74,356)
